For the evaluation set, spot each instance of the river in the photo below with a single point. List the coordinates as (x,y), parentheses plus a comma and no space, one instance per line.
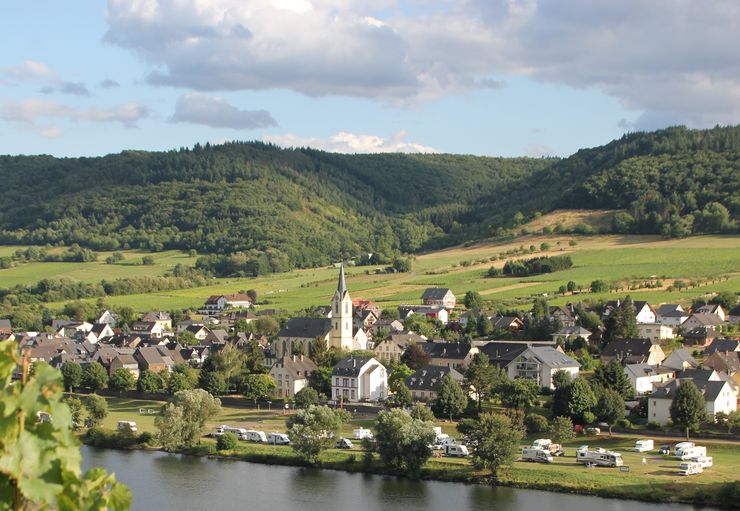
(161,481)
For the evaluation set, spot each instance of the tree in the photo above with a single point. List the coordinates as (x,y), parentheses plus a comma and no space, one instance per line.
(402,264)
(41,460)
(267,325)
(257,387)
(572,286)
(451,399)
(622,322)
(255,357)
(320,380)
(560,379)
(306,397)
(97,408)
(561,428)
(227,442)
(494,440)
(573,400)
(480,376)
(473,300)
(187,338)
(609,407)
(75,408)
(171,425)
(422,412)
(599,286)
(94,376)
(535,423)
(612,376)
(183,377)
(122,380)
(403,442)
(398,373)
(733,420)
(485,327)
(519,393)
(402,395)
(149,382)
(313,430)
(252,294)
(72,374)
(198,407)
(415,357)
(688,406)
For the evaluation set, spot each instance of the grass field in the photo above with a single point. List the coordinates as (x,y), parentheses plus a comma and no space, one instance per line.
(713,261)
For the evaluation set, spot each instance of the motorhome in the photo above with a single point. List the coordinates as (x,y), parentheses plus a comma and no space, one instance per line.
(598,456)
(442,440)
(704,461)
(644,445)
(344,443)
(687,453)
(223,428)
(278,439)
(682,445)
(129,426)
(536,455)
(362,433)
(688,468)
(254,436)
(455,450)
(546,443)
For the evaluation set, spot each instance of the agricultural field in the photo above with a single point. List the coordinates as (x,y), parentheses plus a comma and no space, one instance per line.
(712,262)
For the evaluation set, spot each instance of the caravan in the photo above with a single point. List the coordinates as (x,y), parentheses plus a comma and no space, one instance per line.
(362,433)
(455,450)
(691,452)
(598,456)
(688,468)
(278,439)
(644,445)
(704,461)
(254,436)
(536,455)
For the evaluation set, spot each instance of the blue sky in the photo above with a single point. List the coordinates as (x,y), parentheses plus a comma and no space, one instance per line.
(489,77)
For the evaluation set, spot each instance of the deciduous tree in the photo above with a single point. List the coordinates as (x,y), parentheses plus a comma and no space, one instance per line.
(688,406)
(403,442)
(494,440)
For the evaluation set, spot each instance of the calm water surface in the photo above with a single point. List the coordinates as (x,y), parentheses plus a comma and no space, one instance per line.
(161,481)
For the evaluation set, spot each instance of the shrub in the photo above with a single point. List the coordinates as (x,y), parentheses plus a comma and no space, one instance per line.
(624,423)
(589,417)
(146,438)
(227,442)
(535,423)
(654,425)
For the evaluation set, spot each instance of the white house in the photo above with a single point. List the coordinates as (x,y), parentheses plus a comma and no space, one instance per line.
(161,318)
(644,377)
(430,311)
(711,308)
(439,297)
(644,313)
(540,363)
(680,360)
(150,329)
(291,374)
(655,331)
(671,314)
(359,379)
(719,396)
(107,317)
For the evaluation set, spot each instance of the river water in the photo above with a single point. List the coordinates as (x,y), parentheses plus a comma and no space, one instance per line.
(161,481)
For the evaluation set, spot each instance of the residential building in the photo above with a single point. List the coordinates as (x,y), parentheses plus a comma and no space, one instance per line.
(719,396)
(429,311)
(540,364)
(633,351)
(439,297)
(671,314)
(644,313)
(644,378)
(571,333)
(702,319)
(680,360)
(359,379)
(457,355)
(712,308)
(161,318)
(655,331)
(108,318)
(148,329)
(722,344)
(424,383)
(291,374)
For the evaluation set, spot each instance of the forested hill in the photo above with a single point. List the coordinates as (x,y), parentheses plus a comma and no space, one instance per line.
(302,207)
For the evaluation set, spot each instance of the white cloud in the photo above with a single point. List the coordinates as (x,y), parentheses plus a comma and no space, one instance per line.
(677,59)
(540,151)
(344,142)
(34,114)
(27,71)
(218,113)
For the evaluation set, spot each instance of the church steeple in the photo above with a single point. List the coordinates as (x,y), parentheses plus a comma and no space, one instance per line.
(341,285)
(341,334)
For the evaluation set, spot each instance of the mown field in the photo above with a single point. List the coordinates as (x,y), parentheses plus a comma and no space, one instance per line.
(655,478)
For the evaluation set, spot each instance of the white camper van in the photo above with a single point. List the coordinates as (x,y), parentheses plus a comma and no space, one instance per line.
(254,436)
(455,450)
(546,443)
(704,461)
(442,440)
(687,453)
(598,456)
(680,446)
(644,445)
(536,455)
(688,468)
(129,426)
(362,433)
(278,439)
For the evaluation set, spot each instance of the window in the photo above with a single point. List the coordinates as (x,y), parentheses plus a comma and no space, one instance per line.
(345,382)
(353,394)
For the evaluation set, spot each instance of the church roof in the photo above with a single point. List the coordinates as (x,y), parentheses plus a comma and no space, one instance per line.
(342,284)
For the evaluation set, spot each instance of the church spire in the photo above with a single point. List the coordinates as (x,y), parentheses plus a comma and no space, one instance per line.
(341,285)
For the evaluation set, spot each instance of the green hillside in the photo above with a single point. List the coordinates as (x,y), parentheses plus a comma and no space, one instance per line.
(292,208)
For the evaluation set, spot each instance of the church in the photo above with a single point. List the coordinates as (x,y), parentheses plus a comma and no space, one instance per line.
(337,328)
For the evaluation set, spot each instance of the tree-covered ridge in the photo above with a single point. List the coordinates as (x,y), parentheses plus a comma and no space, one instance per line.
(303,207)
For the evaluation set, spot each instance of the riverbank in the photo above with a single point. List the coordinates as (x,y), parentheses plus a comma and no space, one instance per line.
(656,480)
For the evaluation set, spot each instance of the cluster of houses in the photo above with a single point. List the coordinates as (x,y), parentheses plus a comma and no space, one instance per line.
(357,325)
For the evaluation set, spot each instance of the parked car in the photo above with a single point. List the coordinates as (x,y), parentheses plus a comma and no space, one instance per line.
(344,443)
(665,450)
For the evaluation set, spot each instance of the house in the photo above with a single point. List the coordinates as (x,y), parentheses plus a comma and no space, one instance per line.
(633,351)
(721,344)
(501,353)
(671,314)
(726,362)
(200,332)
(644,377)
(5,327)
(161,318)
(194,356)
(124,361)
(68,328)
(702,319)
(360,304)
(424,383)
(571,333)
(388,325)
(359,379)
(217,336)
(733,316)
(712,308)
(700,336)
(365,319)
(439,297)
(655,331)
(99,331)
(719,396)
(540,364)
(457,355)
(150,358)
(507,323)
(108,318)
(680,360)
(217,303)
(147,329)
(392,348)
(430,311)
(291,374)
(564,315)
(644,313)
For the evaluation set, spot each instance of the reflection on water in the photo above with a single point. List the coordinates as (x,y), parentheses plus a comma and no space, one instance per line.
(161,481)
